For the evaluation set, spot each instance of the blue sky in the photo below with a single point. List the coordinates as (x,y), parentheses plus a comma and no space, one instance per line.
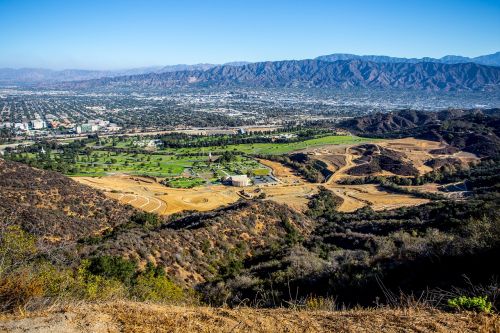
(111,34)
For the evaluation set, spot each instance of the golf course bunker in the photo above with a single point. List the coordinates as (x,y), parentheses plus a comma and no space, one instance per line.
(196,200)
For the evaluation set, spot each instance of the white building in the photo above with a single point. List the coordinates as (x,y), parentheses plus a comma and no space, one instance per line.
(86,128)
(113,127)
(240,180)
(37,124)
(21,126)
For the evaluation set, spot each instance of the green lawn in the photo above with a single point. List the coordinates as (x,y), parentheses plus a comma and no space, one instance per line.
(278,148)
(260,172)
(183,182)
(101,162)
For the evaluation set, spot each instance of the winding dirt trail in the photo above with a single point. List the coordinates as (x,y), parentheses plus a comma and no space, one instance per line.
(341,171)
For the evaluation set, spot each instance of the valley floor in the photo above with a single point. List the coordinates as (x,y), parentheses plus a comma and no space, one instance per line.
(140,317)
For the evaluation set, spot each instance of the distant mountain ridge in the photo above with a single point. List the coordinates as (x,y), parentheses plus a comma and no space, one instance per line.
(317,74)
(37,75)
(488,60)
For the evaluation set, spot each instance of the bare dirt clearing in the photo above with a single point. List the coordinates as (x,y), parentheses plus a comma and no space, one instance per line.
(144,318)
(416,151)
(284,174)
(357,196)
(419,151)
(154,197)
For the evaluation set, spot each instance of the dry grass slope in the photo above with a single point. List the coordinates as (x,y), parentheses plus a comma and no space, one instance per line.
(54,207)
(144,318)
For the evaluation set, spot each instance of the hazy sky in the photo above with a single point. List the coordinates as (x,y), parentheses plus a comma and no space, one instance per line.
(101,34)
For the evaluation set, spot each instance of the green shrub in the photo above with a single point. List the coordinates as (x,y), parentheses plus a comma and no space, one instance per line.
(16,247)
(153,285)
(94,287)
(112,268)
(147,220)
(478,303)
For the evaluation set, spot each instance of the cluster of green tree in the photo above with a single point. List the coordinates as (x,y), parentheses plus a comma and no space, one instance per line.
(63,162)
(391,187)
(323,203)
(6,135)
(227,157)
(181,140)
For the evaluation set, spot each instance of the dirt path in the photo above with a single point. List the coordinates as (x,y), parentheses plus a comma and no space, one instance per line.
(341,171)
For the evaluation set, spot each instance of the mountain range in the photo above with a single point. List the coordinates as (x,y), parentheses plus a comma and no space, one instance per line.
(488,60)
(449,73)
(36,75)
(428,76)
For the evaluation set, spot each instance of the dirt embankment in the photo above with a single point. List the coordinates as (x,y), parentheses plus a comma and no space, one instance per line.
(145,318)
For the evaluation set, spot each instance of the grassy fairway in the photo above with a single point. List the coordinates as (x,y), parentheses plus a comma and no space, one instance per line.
(185,182)
(283,148)
(277,148)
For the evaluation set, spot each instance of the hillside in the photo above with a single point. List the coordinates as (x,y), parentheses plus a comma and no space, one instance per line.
(132,317)
(315,73)
(58,210)
(473,131)
(260,253)
(193,248)
(54,207)
(375,159)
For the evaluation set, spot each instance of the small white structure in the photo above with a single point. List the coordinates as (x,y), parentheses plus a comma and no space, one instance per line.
(37,124)
(240,180)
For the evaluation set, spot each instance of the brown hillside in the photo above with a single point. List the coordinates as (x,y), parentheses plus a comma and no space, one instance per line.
(53,206)
(192,247)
